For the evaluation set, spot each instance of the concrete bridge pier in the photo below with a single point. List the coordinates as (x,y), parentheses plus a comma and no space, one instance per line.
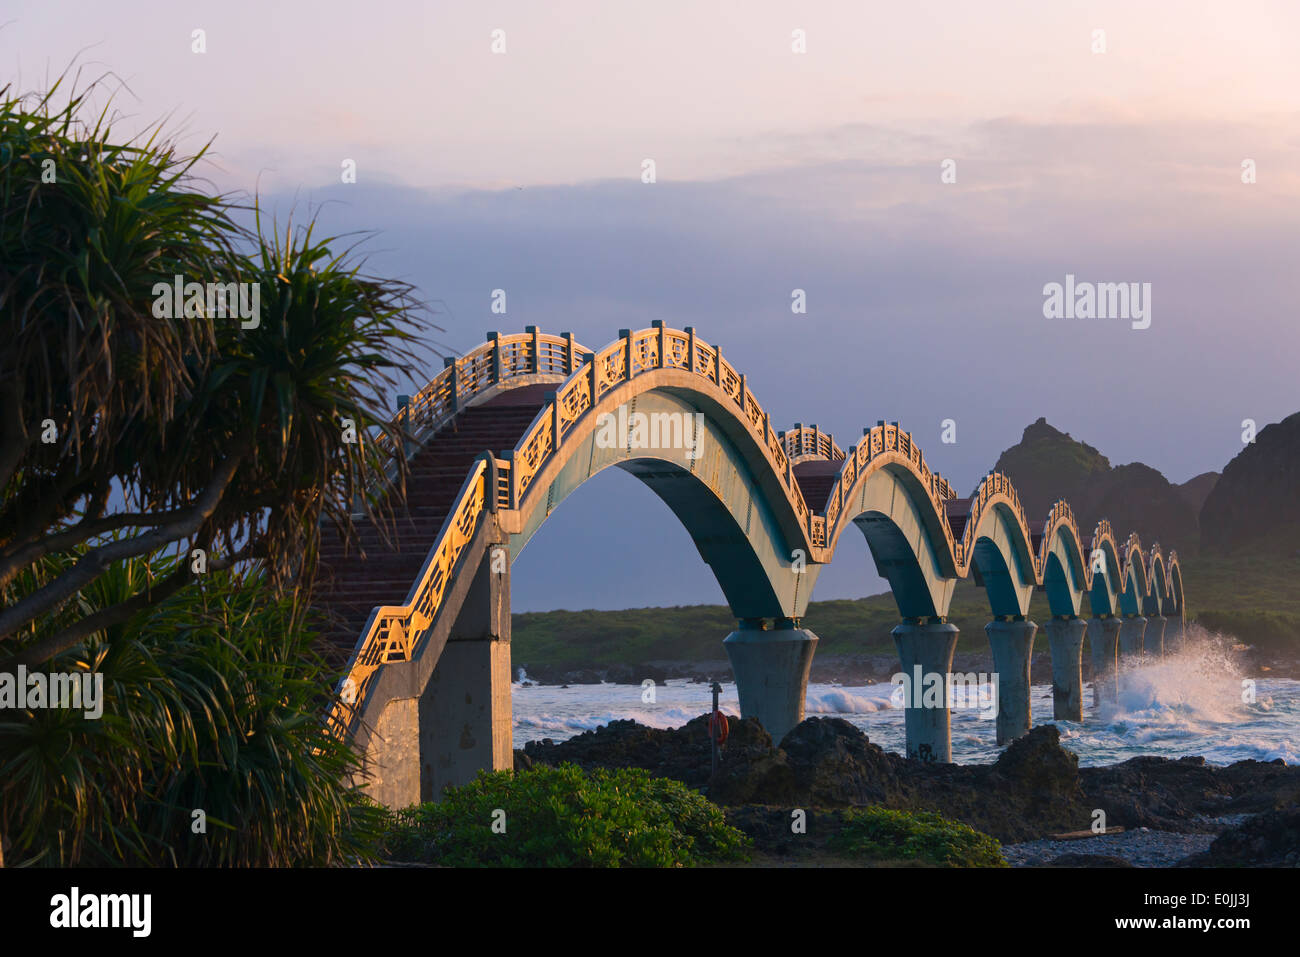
(771,668)
(1103,639)
(926,650)
(1013,644)
(1131,632)
(465,718)
(1155,635)
(1065,638)
(1174,634)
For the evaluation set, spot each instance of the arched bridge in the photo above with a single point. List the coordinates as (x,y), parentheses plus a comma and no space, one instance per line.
(506,432)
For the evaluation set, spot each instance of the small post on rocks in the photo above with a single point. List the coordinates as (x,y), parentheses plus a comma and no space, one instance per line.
(713,735)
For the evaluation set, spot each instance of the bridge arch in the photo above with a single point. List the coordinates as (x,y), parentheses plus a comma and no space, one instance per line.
(996,545)
(1063,562)
(689,446)
(885,490)
(1135,587)
(1157,599)
(1176,586)
(1105,571)
(902,529)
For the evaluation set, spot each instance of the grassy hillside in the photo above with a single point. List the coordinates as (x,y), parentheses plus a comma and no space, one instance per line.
(1256,599)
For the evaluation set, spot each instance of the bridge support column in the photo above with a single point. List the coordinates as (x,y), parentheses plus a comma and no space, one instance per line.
(771,669)
(465,711)
(1065,638)
(1174,634)
(1131,631)
(925,650)
(1155,635)
(1013,644)
(1103,639)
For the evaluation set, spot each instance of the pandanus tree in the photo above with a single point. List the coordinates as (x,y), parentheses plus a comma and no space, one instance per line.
(135,436)
(128,431)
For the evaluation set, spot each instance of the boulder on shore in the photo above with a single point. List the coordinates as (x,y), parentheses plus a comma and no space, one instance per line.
(1271,839)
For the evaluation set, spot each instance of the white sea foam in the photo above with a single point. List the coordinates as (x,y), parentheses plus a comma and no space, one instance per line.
(840,701)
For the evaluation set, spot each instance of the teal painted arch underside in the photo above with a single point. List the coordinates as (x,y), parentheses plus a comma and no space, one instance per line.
(1105,568)
(1065,569)
(1157,601)
(1003,561)
(1135,590)
(1175,572)
(711,489)
(899,526)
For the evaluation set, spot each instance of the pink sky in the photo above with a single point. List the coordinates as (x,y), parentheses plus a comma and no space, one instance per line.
(586,90)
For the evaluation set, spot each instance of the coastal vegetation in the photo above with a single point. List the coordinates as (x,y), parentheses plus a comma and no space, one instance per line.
(165,475)
(566,817)
(210,748)
(876,833)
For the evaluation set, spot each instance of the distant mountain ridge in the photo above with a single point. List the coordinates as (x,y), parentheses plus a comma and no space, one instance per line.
(1048,464)
(1256,504)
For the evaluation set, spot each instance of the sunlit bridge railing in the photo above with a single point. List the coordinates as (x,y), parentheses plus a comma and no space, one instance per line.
(531,355)
(632,355)
(806,443)
(391,633)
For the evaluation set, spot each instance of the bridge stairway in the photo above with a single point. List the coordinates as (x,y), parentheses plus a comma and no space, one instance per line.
(816,479)
(351,582)
(958,510)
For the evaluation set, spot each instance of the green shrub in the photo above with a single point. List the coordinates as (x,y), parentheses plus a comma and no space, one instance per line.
(565,817)
(881,834)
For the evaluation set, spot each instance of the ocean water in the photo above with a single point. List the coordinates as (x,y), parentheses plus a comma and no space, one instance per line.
(1193,703)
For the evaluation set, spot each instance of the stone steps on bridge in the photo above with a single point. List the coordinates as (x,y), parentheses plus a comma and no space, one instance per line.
(349,583)
(816,480)
(958,511)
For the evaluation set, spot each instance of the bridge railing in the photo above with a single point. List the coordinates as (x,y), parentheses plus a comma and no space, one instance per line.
(1157,581)
(995,486)
(806,443)
(1061,514)
(1102,533)
(633,354)
(391,630)
(1174,578)
(497,361)
(887,440)
(1134,544)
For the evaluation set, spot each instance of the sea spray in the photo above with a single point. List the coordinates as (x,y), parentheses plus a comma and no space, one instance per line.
(1200,685)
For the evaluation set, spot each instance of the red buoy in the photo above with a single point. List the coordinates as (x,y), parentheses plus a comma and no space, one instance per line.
(718,728)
